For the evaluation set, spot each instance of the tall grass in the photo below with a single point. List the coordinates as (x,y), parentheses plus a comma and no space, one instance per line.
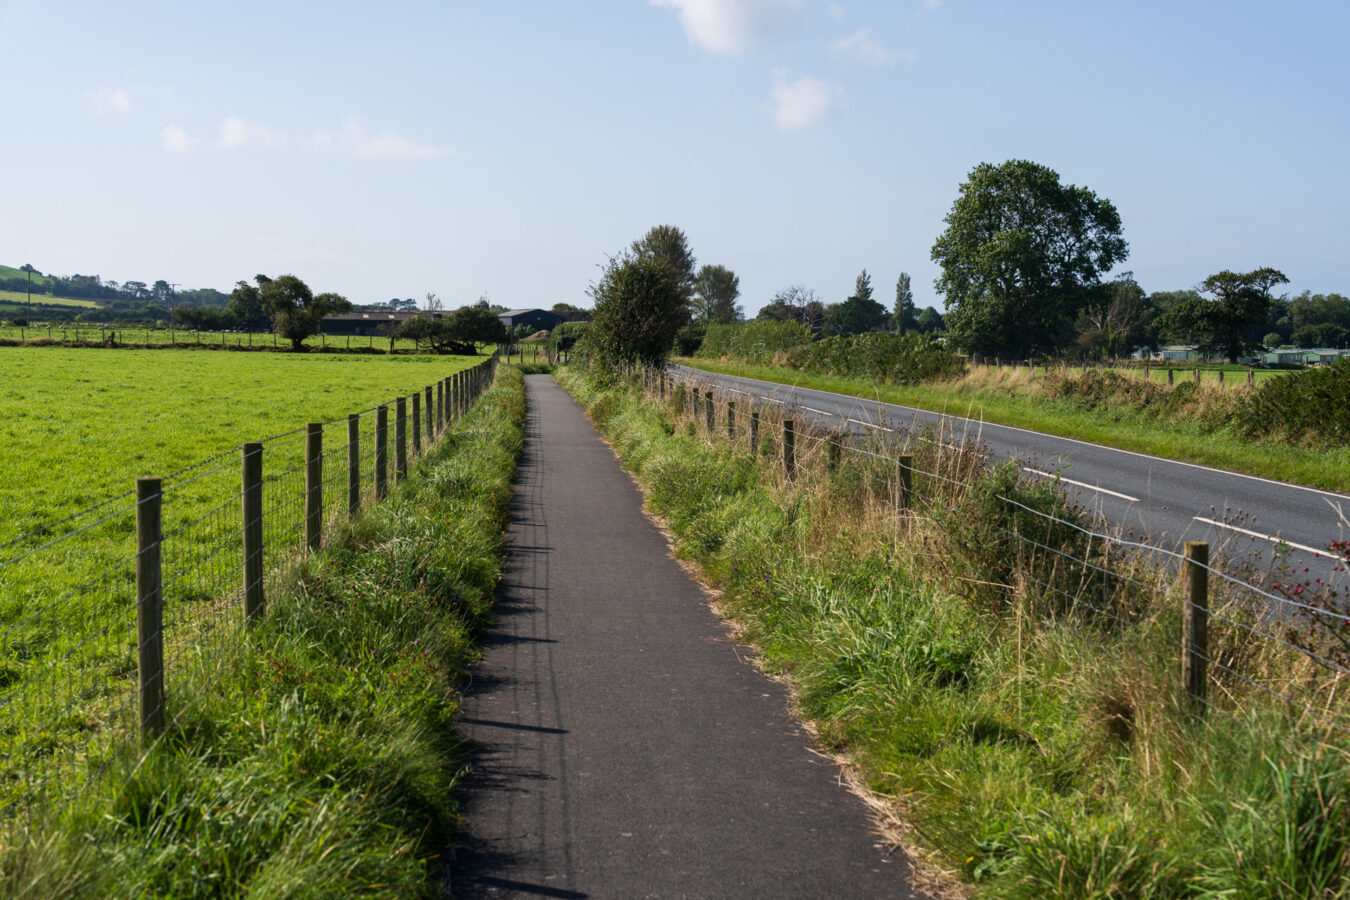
(1020,709)
(320,760)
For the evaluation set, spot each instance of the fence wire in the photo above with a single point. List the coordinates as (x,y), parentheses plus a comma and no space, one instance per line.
(1064,553)
(70,657)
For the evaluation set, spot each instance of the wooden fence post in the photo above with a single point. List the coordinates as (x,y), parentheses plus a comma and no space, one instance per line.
(1170,375)
(416,424)
(904,496)
(708,410)
(1251,377)
(313,485)
(400,439)
(252,516)
(440,406)
(754,431)
(430,413)
(381,452)
(731,420)
(789,449)
(1195,622)
(353,465)
(150,605)
(833,447)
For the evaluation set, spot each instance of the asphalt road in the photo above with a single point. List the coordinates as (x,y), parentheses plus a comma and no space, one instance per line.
(628,749)
(1162,501)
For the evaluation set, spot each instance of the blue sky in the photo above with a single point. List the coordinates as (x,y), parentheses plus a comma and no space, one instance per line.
(505,148)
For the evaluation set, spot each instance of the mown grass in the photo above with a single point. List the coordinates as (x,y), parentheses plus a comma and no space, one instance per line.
(1198,433)
(1039,746)
(22,298)
(319,757)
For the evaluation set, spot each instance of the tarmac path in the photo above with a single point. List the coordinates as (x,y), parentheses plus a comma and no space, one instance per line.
(628,749)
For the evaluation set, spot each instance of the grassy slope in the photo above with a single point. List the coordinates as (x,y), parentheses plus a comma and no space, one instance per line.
(1037,754)
(999,398)
(318,758)
(13,272)
(20,299)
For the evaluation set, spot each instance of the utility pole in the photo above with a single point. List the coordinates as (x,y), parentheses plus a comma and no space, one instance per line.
(173,299)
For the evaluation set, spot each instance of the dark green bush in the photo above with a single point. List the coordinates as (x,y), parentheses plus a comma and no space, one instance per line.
(754,342)
(898,359)
(1311,407)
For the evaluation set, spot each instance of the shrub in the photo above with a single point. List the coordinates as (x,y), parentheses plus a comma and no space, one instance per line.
(1312,407)
(754,342)
(899,359)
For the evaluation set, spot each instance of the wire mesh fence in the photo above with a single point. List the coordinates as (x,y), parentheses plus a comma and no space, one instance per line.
(1253,637)
(168,576)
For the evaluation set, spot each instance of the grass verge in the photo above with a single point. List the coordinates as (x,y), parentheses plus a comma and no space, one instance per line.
(318,756)
(1010,397)
(1039,748)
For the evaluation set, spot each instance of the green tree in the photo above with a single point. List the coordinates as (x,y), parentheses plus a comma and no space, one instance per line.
(862,285)
(296,312)
(902,319)
(1325,334)
(1118,316)
(459,332)
(1240,303)
(246,306)
(714,301)
(796,303)
(929,321)
(855,315)
(668,244)
(570,313)
(1020,257)
(640,305)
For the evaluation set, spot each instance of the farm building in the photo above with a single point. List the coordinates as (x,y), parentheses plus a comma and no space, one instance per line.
(378,322)
(536,319)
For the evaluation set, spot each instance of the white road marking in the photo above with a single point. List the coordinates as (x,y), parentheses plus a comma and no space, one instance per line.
(771,400)
(819,412)
(870,425)
(1257,534)
(1058,437)
(1090,487)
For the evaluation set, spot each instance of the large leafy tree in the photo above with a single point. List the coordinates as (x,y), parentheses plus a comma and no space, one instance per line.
(854,316)
(668,244)
(1238,304)
(295,310)
(640,305)
(245,306)
(715,291)
(1021,255)
(460,331)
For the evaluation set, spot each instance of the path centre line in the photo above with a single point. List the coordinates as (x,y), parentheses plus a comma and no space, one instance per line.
(1257,534)
(1058,437)
(1090,487)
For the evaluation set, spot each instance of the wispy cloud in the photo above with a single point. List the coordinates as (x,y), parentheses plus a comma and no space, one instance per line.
(862,47)
(176,140)
(106,101)
(237,134)
(835,11)
(353,140)
(803,102)
(732,26)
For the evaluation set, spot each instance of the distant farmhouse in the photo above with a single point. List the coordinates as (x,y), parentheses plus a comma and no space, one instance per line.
(377,322)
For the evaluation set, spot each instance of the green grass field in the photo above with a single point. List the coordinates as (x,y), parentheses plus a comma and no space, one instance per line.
(82,424)
(20,298)
(91,333)
(12,272)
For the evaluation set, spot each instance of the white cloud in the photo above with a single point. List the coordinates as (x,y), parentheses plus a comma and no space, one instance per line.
(835,10)
(861,47)
(804,102)
(236,134)
(731,26)
(175,139)
(106,101)
(353,140)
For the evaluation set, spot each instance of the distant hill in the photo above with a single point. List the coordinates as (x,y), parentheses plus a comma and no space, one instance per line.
(11,272)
